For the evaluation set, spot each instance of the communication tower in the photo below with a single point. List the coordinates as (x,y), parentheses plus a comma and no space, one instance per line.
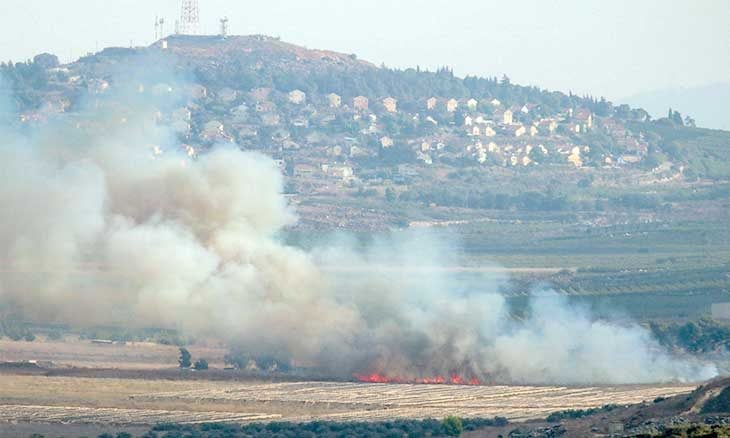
(224,27)
(189,23)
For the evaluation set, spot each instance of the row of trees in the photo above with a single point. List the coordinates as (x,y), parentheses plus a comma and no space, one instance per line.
(448,427)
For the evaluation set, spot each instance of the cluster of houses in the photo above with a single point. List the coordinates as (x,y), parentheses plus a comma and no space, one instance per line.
(325,135)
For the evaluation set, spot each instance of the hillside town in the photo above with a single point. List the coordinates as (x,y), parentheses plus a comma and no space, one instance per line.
(328,135)
(342,128)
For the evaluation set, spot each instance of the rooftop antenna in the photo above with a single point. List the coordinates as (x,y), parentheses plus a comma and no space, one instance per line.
(189,18)
(224,27)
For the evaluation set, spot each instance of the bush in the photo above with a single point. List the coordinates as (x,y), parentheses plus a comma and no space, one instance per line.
(572,414)
(201,364)
(452,426)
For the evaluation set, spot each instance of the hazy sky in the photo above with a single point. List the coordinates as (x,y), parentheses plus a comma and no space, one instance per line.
(614,48)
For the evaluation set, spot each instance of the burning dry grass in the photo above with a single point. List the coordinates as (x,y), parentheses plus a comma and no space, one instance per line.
(131,402)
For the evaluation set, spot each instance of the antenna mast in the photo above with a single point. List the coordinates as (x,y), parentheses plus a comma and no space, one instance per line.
(189,18)
(159,28)
(224,27)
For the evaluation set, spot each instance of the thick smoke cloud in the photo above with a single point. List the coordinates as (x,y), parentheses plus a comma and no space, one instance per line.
(98,228)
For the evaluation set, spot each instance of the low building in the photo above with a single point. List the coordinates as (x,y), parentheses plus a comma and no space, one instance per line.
(297,97)
(584,117)
(472,104)
(452,105)
(426,158)
(386,142)
(390,104)
(360,103)
(431,103)
(574,158)
(334,100)
(343,172)
(304,170)
(507,117)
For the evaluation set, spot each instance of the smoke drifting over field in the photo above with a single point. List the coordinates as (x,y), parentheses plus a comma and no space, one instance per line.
(98,229)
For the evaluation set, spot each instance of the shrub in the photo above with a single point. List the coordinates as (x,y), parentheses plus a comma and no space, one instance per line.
(452,426)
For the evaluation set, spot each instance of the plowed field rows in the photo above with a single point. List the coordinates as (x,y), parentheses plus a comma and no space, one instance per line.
(138,402)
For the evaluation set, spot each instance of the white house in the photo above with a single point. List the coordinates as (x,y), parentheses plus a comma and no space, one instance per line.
(431,103)
(390,104)
(507,117)
(334,100)
(360,103)
(451,105)
(297,97)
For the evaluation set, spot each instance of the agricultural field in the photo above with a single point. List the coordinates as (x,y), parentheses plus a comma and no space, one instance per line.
(73,352)
(130,402)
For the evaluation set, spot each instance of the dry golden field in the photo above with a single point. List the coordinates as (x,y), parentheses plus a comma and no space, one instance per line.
(82,389)
(83,353)
(137,401)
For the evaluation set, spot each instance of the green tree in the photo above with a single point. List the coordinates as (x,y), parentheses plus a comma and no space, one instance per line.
(390,194)
(537,155)
(452,426)
(201,364)
(185,358)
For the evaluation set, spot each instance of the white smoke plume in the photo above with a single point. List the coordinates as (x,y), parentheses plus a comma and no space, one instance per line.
(96,228)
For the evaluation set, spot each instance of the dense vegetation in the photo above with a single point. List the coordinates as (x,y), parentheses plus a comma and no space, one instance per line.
(451,426)
(572,414)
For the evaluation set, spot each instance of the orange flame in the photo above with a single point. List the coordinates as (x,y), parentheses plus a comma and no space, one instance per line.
(454,379)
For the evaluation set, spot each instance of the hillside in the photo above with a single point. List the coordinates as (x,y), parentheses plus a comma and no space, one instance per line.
(703,413)
(384,143)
